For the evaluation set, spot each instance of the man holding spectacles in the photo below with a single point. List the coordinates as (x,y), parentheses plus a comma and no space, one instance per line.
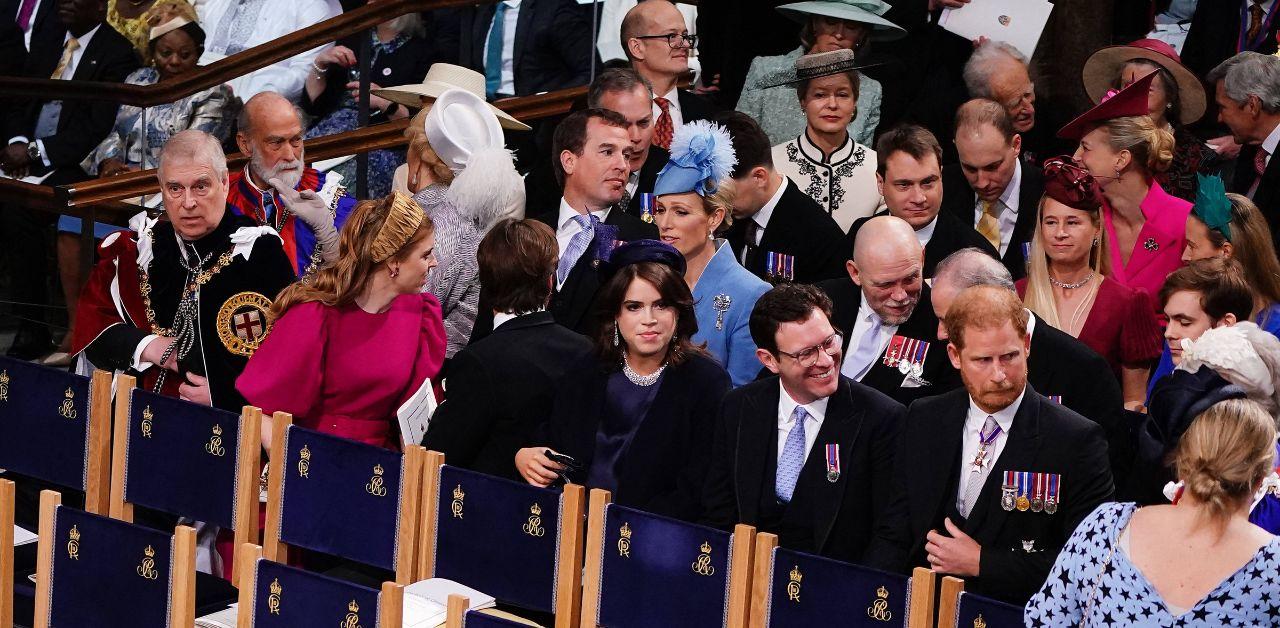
(658,44)
(804,454)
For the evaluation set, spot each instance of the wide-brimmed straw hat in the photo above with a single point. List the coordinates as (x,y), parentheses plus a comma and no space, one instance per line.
(440,78)
(867,12)
(1104,66)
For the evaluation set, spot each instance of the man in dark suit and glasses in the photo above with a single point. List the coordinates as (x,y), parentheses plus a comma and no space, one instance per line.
(881,306)
(623,90)
(1058,366)
(774,221)
(500,388)
(989,188)
(656,40)
(807,453)
(909,171)
(990,481)
(1247,92)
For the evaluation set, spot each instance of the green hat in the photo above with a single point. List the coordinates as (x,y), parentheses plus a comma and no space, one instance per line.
(864,11)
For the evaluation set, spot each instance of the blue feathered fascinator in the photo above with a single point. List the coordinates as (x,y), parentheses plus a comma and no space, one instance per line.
(701,156)
(1212,206)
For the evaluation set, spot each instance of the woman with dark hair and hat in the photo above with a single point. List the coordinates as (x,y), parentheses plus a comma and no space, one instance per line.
(824,160)
(1123,148)
(1067,284)
(1176,99)
(827,25)
(638,417)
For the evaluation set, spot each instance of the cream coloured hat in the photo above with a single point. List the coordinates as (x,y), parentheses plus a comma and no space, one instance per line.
(440,78)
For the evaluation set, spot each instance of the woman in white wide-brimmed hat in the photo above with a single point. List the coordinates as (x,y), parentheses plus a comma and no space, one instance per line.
(827,25)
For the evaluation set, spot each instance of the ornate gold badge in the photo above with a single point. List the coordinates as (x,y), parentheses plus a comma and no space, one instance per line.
(73,543)
(147,417)
(242,322)
(68,407)
(793,587)
(624,541)
(214,446)
(273,600)
(456,506)
(879,609)
(148,567)
(353,616)
(304,462)
(375,487)
(4,385)
(702,565)
(979,622)
(533,527)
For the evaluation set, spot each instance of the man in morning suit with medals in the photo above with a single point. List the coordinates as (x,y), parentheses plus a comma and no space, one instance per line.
(305,206)
(806,454)
(183,303)
(890,341)
(992,479)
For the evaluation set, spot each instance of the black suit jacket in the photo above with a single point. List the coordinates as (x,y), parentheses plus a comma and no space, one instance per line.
(83,123)
(663,467)
(798,227)
(44,25)
(553,47)
(694,107)
(959,200)
(949,235)
(834,519)
(846,298)
(653,163)
(1214,35)
(499,391)
(1268,194)
(1045,437)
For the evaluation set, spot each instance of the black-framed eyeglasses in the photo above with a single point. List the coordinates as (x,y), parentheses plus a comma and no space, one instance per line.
(808,357)
(690,41)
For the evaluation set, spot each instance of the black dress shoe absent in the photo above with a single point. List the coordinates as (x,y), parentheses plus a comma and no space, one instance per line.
(30,346)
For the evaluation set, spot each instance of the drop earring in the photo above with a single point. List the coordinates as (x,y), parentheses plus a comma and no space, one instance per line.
(617,338)
(1095,242)
(395,272)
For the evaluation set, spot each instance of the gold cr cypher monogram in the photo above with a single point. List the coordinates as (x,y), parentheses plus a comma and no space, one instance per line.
(702,564)
(68,407)
(148,567)
(456,506)
(533,527)
(214,446)
(879,609)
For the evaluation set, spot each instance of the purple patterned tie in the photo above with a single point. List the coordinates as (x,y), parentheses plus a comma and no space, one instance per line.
(24,14)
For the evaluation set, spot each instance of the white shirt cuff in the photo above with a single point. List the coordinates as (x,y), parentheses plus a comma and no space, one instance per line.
(19,139)
(137,363)
(44,156)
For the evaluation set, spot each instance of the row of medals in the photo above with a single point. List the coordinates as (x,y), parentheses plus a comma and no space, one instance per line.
(1009,500)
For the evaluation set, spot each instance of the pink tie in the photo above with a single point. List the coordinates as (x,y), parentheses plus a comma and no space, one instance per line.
(24,14)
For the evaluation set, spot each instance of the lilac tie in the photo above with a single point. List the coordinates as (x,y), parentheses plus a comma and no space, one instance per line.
(792,459)
(24,14)
(577,245)
(859,362)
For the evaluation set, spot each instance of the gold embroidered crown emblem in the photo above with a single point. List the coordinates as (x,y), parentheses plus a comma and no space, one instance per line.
(796,576)
(536,510)
(70,394)
(979,622)
(882,593)
(149,552)
(377,469)
(217,429)
(457,492)
(625,531)
(706,547)
(147,415)
(74,534)
(305,453)
(276,589)
(353,607)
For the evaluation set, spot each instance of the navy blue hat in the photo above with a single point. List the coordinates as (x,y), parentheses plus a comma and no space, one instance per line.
(1180,397)
(638,251)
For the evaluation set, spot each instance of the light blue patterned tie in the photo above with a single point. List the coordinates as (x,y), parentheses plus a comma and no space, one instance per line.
(493,52)
(792,459)
(577,245)
(864,355)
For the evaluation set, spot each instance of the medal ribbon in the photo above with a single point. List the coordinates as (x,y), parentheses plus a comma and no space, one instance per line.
(833,459)
(894,352)
(1040,486)
(922,348)
(1024,484)
(1053,487)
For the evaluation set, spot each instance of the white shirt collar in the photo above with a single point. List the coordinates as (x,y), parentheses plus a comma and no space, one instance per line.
(501,317)
(83,39)
(766,212)
(673,98)
(1272,141)
(786,406)
(1010,196)
(925,233)
(1031,323)
(1004,418)
(567,212)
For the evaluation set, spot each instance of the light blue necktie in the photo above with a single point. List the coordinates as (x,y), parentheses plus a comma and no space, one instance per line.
(864,355)
(577,245)
(792,459)
(493,52)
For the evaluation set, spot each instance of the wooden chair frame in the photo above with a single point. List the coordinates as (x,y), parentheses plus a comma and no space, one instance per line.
(7,492)
(949,602)
(411,491)
(919,610)
(568,595)
(182,608)
(740,565)
(247,472)
(390,604)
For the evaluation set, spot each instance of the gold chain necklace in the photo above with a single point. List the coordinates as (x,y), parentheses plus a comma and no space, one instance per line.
(144,287)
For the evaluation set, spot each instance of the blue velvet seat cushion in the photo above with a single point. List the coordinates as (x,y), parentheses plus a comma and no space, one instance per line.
(44,418)
(808,590)
(660,575)
(995,614)
(347,503)
(302,598)
(476,619)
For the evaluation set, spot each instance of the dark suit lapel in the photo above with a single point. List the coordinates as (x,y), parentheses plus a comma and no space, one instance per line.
(755,444)
(479,34)
(840,426)
(87,67)
(528,13)
(1019,454)
(943,450)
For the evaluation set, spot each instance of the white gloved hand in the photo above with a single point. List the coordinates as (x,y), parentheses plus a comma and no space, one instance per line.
(311,209)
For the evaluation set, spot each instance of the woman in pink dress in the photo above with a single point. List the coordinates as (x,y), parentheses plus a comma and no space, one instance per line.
(1124,149)
(348,348)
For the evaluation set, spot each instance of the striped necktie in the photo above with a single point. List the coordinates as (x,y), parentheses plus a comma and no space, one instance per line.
(68,49)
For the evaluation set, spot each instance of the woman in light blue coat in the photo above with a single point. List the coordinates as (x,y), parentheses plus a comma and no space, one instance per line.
(694,199)
(828,25)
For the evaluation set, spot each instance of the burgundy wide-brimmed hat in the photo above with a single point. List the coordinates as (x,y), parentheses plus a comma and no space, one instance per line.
(1130,101)
(1104,66)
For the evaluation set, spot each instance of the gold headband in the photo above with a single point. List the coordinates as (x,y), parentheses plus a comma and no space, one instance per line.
(402,221)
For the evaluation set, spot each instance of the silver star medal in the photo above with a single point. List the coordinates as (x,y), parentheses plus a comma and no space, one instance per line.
(720,303)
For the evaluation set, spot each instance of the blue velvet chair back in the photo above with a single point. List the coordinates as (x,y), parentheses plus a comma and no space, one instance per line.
(993,613)
(808,590)
(476,619)
(658,571)
(288,597)
(341,497)
(44,423)
(107,573)
(182,458)
(498,536)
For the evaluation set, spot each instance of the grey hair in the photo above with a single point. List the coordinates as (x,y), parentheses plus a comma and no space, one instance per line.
(1250,74)
(971,267)
(615,81)
(979,69)
(197,146)
(244,122)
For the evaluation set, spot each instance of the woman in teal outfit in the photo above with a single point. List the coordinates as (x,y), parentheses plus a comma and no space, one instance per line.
(694,198)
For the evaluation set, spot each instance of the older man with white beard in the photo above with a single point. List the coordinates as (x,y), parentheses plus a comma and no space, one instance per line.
(305,206)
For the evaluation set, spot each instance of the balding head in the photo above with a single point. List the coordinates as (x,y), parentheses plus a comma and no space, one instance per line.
(270,133)
(888,264)
(963,269)
(653,57)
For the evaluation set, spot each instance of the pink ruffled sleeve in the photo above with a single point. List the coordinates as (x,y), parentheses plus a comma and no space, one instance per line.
(431,348)
(285,373)
(1140,333)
